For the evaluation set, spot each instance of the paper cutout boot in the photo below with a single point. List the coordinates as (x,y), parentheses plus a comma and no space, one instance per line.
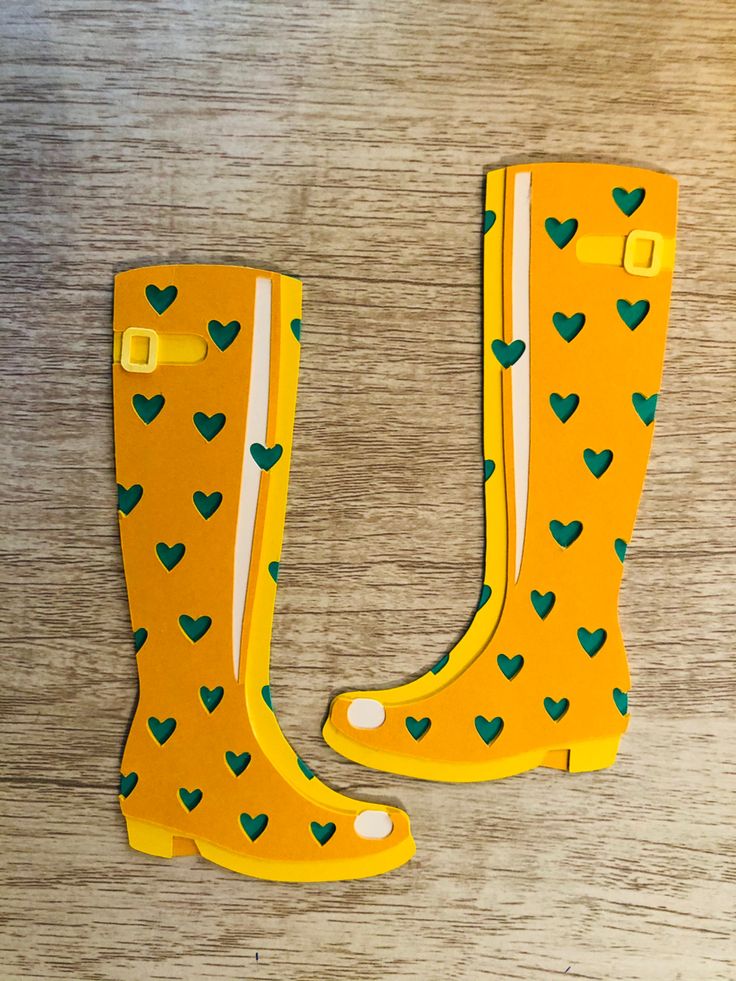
(205,374)
(578,264)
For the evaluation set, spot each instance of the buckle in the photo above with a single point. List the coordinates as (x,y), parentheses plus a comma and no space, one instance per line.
(646,246)
(139,350)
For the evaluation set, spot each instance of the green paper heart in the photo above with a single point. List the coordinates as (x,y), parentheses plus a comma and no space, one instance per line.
(161,300)
(211,697)
(207,504)
(542,602)
(564,406)
(223,334)
(597,463)
(485,595)
(309,774)
(489,220)
(322,832)
(620,547)
(253,826)
(296,328)
(148,409)
(273,571)
(170,555)
(128,497)
(140,636)
(195,629)
(266,696)
(190,798)
(510,666)
(621,698)
(632,314)
(628,201)
(592,640)
(488,468)
(488,729)
(266,456)
(555,710)
(238,762)
(209,426)
(417,727)
(161,731)
(568,327)
(508,354)
(436,668)
(645,407)
(561,232)
(565,534)
(127,783)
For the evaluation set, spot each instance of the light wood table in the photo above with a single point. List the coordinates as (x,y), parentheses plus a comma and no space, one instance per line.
(346,142)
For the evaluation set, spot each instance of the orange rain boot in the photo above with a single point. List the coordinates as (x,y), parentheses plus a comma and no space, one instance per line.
(205,373)
(579,259)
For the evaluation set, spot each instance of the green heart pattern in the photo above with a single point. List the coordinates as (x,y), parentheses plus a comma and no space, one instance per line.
(161,730)
(568,327)
(508,354)
(561,232)
(645,407)
(207,504)
(195,628)
(417,727)
(632,314)
(566,534)
(237,762)
(148,409)
(322,832)
(510,666)
(223,334)
(591,640)
(542,603)
(253,826)
(266,456)
(161,299)
(488,729)
(628,201)
(598,463)
(564,406)
(556,709)
(190,798)
(211,697)
(209,426)
(170,555)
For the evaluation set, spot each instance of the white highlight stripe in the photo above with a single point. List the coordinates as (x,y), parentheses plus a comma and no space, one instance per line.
(520,371)
(250,481)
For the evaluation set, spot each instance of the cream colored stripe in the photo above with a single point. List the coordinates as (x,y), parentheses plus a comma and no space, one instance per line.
(520,371)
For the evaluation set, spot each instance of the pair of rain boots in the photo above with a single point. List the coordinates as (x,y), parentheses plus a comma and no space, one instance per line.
(577,272)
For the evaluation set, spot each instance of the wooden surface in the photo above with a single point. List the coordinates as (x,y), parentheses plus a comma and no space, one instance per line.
(346,142)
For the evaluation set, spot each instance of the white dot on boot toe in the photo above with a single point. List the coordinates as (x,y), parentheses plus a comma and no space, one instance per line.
(366,713)
(373,824)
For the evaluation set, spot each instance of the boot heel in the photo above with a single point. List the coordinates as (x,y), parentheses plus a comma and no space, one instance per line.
(154,840)
(584,757)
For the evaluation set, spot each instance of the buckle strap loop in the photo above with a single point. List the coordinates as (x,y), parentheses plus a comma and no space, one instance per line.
(141,349)
(641,252)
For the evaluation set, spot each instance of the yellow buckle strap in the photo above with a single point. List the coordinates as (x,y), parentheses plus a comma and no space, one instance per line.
(641,253)
(140,349)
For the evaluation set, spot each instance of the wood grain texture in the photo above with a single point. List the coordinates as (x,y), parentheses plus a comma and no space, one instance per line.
(346,142)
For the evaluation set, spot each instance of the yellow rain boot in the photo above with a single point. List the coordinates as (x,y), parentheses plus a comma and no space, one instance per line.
(578,259)
(204,378)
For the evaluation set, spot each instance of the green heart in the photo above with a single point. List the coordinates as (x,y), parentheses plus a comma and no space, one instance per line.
(591,640)
(238,762)
(510,666)
(645,407)
(170,555)
(564,534)
(417,727)
(632,314)
(508,354)
(266,456)
(207,504)
(223,334)
(620,547)
(488,467)
(628,201)
(488,729)
(128,497)
(161,731)
(190,798)
(309,774)
(273,571)
(296,328)
(211,697)
(195,629)
(148,409)
(322,832)
(266,696)
(597,463)
(561,232)
(140,636)
(542,602)
(127,783)
(436,668)
(555,710)
(209,426)
(489,220)
(161,300)
(485,595)
(563,407)
(253,826)
(568,327)
(621,698)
